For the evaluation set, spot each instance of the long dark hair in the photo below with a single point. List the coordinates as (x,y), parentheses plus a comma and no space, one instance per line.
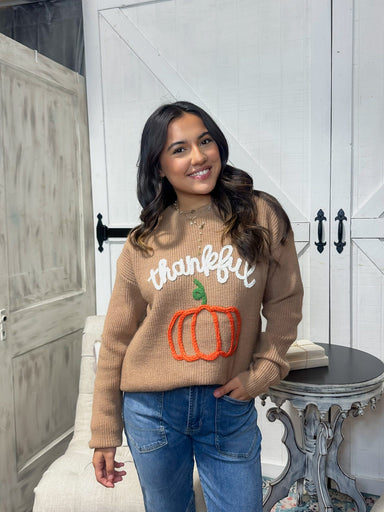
(233,194)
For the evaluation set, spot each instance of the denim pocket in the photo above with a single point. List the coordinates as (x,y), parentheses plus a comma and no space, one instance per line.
(143,422)
(236,427)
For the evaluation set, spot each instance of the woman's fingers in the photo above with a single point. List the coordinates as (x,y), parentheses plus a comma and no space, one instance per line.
(104,463)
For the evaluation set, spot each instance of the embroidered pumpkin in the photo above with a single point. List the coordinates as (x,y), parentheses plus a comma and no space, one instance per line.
(218,314)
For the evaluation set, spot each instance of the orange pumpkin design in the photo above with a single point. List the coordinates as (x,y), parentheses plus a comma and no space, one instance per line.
(232,314)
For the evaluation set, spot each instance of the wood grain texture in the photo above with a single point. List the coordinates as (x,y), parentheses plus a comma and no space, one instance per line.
(40,376)
(41,161)
(48,268)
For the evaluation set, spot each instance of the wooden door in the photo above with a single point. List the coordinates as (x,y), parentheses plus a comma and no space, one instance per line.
(357,185)
(263,70)
(47,267)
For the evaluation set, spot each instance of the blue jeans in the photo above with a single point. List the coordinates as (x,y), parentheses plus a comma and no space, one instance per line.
(167,430)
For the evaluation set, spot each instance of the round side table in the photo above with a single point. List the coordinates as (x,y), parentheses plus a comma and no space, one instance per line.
(352,381)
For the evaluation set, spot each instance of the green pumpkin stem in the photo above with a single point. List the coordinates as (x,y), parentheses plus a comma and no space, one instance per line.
(199,292)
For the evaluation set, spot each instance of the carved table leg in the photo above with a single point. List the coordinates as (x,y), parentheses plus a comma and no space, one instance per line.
(324,434)
(300,491)
(310,425)
(295,468)
(345,483)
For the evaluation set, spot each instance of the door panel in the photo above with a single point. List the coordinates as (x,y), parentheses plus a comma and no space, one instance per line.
(39,181)
(45,370)
(357,291)
(48,265)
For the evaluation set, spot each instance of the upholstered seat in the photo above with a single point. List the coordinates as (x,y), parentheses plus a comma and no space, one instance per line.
(69,484)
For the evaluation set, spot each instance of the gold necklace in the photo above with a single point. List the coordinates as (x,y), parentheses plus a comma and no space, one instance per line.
(192,217)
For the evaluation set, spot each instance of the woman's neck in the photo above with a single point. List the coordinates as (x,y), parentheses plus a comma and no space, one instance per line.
(193,203)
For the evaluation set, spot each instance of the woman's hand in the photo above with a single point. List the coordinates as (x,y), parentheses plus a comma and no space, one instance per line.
(234,389)
(105,464)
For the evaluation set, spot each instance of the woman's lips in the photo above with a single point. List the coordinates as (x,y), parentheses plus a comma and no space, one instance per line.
(201,174)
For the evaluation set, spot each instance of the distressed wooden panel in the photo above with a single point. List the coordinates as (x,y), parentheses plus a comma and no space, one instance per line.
(45,384)
(46,68)
(45,199)
(41,154)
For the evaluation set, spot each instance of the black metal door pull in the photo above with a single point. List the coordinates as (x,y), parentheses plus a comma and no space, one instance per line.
(321,218)
(340,231)
(104,232)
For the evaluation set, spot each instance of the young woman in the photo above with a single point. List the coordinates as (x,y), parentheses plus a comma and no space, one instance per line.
(182,337)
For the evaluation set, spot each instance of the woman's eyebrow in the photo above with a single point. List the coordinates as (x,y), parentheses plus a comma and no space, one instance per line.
(176,143)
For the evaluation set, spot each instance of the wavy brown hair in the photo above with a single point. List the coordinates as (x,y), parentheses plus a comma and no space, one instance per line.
(233,194)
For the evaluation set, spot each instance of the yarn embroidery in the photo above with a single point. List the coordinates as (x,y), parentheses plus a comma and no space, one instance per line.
(210,261)
(218,314)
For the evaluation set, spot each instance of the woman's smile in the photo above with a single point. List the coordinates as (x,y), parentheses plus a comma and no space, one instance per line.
(201,174)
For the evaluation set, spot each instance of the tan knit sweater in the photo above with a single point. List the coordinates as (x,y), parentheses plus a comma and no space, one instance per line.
(177,318)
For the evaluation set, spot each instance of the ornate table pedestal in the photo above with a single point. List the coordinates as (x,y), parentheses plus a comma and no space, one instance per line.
(323,397)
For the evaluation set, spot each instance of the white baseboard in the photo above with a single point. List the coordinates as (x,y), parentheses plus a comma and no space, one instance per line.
(371,485)
(364,484)
(271,470)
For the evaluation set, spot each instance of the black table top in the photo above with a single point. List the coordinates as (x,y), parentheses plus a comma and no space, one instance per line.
(346,366)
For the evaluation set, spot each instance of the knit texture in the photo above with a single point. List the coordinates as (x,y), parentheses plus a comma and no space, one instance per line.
(177,318)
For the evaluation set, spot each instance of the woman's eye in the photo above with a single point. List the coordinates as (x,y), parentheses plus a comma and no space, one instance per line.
(178,150)
(207,140)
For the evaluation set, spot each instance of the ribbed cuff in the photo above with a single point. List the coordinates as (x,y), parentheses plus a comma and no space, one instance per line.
(258,379)
(106,439)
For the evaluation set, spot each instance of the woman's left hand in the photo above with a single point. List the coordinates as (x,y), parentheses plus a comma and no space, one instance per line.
(234,389)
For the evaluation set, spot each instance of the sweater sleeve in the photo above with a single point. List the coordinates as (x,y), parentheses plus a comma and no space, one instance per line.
(125,312)
(281,307)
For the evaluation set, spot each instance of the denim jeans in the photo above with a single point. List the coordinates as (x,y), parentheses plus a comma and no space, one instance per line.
(167,430)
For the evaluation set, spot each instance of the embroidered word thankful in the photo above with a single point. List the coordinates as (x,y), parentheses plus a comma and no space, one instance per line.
(222,263)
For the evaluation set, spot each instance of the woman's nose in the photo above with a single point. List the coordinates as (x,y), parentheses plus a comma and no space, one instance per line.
(197,156)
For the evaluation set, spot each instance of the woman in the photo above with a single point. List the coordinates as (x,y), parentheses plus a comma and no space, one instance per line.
(182,336)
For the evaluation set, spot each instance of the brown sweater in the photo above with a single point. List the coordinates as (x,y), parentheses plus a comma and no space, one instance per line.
(177,318)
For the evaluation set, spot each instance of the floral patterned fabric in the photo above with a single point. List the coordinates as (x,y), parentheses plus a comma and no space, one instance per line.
(340,502)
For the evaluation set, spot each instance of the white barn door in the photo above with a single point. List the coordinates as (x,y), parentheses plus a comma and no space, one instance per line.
(46,263)
(263,71)
(357,187)
(295,86)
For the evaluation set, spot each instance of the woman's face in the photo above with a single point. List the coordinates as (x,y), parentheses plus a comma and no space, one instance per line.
(190,160)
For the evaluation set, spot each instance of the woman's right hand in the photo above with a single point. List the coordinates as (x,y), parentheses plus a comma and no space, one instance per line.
(105,464)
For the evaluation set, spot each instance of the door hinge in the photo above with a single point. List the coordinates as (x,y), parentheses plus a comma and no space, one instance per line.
(3,319)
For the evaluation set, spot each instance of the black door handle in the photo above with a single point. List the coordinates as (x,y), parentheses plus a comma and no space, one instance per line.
(321,218)
(340,231)
(103,232)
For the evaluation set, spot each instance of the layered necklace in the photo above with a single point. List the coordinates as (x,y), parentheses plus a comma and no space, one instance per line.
(193,217)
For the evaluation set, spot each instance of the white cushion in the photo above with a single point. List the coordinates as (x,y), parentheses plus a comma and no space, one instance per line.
(69,484)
